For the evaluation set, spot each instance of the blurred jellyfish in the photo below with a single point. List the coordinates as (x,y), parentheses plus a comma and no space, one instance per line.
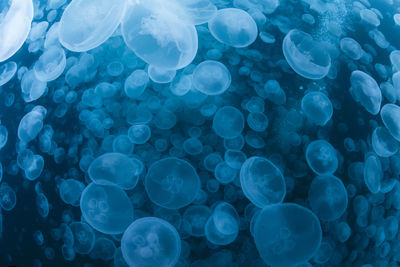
(84,237)
(317,107)
(211,77)
(321,157)
(7,71)
(228,122)
(365,90)
(8,197)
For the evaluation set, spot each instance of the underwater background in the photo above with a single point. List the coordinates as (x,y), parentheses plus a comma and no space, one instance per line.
(199,133)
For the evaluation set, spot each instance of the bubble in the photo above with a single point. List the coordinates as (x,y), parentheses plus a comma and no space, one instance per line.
(321,157)
(211,77)
(228,122)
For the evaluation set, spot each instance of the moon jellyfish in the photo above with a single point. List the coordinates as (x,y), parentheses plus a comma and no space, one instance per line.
(3,136)
(228,122)
(84,237)
(195,218)
(114,169)
(151,241)
(106,208)
(321,157)
(158,75)
(328,197)
(383,143)
(234,27)
(305,56)
(211,77)
(136,83)
(286,234)
(15,23)
(70,191)
(139,133)
(390,115)
(373,174)
(262,182)
(86,24)
(196,12)
(30,125)
(32,88)
(317,107)
(104,249)
(365,90)
(172,183)
(222,227)
(50,64)
(7,71)
(8,198)
(351,48)
(158,36)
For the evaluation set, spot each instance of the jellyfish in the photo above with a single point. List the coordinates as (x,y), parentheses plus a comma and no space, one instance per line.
(211,77)
(70,191)
(321,157)
(51,64)
(373,173)
(365,90)
(7,72)
(136,83)
(383,142)
(222,227)
(228,122)
(8,197)
(194,218)
(317,107)
(390,115)
(139,133)
(84,237)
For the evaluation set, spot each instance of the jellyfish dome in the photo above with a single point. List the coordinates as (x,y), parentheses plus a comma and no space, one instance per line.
(211,77)
(321,157)
(172,183)
(151,241)
(317,107)
(286,234)
(15,24)
(305,56)
(390,115)
(365,90)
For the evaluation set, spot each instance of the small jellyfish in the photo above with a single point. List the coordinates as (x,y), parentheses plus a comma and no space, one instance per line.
(286,234)
(234,27)
(158,75)
(104,249)
(228,122)
(390,115)
(307,57)
(317,107)
(51,64)
(139,133)
(222,227)
(151,241)
(383,143)
(136,83)
(328,197)
(34,167)
(106,208)
(3,136)
(211,77)
(272,91)
(321,157)
(195,218)
(262,182)
(8,198)
(85,25)
(7,71)
(224,173)
(114,169)
(70,191)
(172,183)
(30,125)
(32,88)
(351,48)
(365,90)
(373,174)
(84,237)
(42,205)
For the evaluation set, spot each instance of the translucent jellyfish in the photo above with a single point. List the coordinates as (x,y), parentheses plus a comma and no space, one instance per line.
(114,169)
(34,167)
(8,198)
(228,122)
(51,64)
(15,23)
(224,173)
(196,12)
(30,125)
(84,237)
(32,88)
(70,191)
(390,115)
(139,133)
(222,227)
(104,249)
(286,234)
(365,90)
(151,241)
(328,197)
(136,83)
(321,157)
(369,17)
(351,48)
(42,205)
(383,143)
(195,218)
(373,174)
(7,72)
(85,25)
(106,208)
(307,57)
(234,27)
(395,59)
(273,92)
(257,121)
(156,34)
(262,182)
(211,77)
(317,107)
(158,75)
(3,136)
(172,183)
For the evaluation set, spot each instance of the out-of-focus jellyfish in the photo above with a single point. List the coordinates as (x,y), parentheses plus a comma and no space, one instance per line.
(31,124)
(42,205)
(211,77)
(8,198)
(373,174)
(136,83)
(106,208)
(34,167)
(317,107)
(7,71)
(172,183)
(195,218)
(307,57)
(70,191)
(365,90)
(383,142)
(84,237)
(32,88)
(351,48)
(328,197)
(228,122)
(103,249)
(222,227)
(158,75)
(151,241)
(321,157)
(390,115)
(234,27)
(114,169)
(50,64)
(286,234)
(262,182)
(85,24)
(3,136)
(15,23)
(139,133)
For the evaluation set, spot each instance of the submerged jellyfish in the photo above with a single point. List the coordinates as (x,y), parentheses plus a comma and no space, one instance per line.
(70,191)
(172,183)
(317,107)
(31,125)
(151,241)
(84,237)
(228,122)
(32,88)
(328,197)
(15,23)
(234,27)
(50,64)
(106,208)
(383,142)
(365,90)
(262,182)
(321,157)
(8,198)
(7,71)
(86,24)
(373,174)
(390,115)
(211,77)
(195,218)
(286,234)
